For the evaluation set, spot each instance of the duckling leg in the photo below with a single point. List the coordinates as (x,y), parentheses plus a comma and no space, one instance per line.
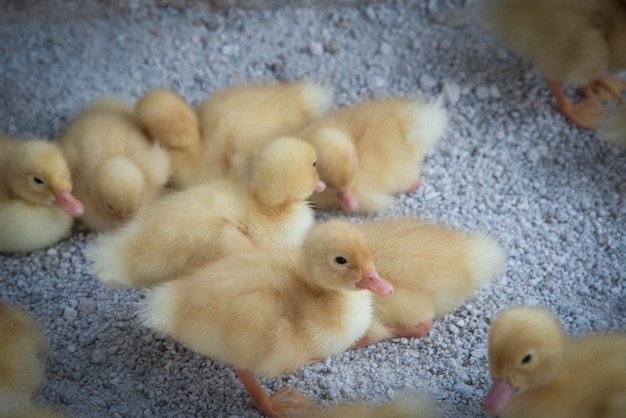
(398,331)
(286,403)
(585,114)
(413,186)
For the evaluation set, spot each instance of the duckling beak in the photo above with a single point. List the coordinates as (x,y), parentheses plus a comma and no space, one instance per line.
(66,201)
(320,186)
(498,396)
(374,283)
(348,201)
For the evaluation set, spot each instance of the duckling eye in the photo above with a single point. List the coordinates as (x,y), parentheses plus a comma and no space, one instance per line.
(340,260)
(38,180)
(110,207)
(314,163)
(527,358)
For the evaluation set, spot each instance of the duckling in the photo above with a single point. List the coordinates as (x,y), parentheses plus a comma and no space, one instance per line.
(222,216)
(408,405)
(613,127)
(21,369)
(229,125)
(539,372)
(574,42)
(372,151)
(114,166)
(432,268)
(269,313)
(171,122)
(37,208)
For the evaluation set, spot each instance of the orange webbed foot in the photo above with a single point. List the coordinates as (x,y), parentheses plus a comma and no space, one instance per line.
(289,403)
(417,331)
(609,89)
(586,114)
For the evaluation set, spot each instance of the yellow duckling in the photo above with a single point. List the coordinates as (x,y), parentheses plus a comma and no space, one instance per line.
(36,202)
(209,221)
(115,168)
(538,372)
(268,313)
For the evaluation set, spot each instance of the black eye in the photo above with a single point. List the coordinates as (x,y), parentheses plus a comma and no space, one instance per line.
(314,163)
(340,260)
(38,180)
(527,358)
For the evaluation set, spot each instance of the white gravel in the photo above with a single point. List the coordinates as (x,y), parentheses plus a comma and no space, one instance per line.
(509,164)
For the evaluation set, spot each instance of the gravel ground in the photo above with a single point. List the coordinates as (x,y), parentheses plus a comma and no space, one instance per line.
(509,164)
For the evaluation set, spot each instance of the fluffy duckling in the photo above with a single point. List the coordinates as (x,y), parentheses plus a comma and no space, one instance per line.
(115,168)
(575,42)
(211,220)
(538,372)
(613,127)
(432,268)
(229,125)
(269,313)
(21,369)
(372,151)
(408,405)
(36,202)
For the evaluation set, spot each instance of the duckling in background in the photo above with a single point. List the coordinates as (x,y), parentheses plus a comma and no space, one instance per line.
(538,372)
(21,369)
(613,127)
(269,313)
(372,151)
(224,130)
(37,208)
(408,405)
(432,268)
(114,166)
(574,42)
(206,222)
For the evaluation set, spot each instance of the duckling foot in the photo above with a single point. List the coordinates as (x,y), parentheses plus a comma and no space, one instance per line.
(289,403)
(609,89)
(585,114)
(417,331)
(413,186)
(286,403)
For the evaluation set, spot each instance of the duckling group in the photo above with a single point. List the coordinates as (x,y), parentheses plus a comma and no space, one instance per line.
(210,209)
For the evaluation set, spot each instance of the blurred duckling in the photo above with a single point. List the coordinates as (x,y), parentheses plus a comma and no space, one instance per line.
(539,372)
(432,268)
(571,42)
(211,220)
(37,207)
(115,168)
(269,313)
(224,130)
(21,368)
(372,151)
(407,405)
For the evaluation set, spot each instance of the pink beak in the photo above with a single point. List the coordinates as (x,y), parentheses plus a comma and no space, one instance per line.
(348,201)
(374,283)
(498,396)
(320,186)
(66,201)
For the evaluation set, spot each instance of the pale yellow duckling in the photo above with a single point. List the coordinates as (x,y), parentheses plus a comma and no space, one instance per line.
(539,372)
(372,151)
(211,220)
(408,405)
(574,42)
(270,312)
(432,268)
(22,343)
(115,168)
(220,135)
(37,208)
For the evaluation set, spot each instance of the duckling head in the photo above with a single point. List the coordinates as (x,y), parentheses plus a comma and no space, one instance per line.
(38,173)
(118,188)
(284,171)
(526,351)
(337,256)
